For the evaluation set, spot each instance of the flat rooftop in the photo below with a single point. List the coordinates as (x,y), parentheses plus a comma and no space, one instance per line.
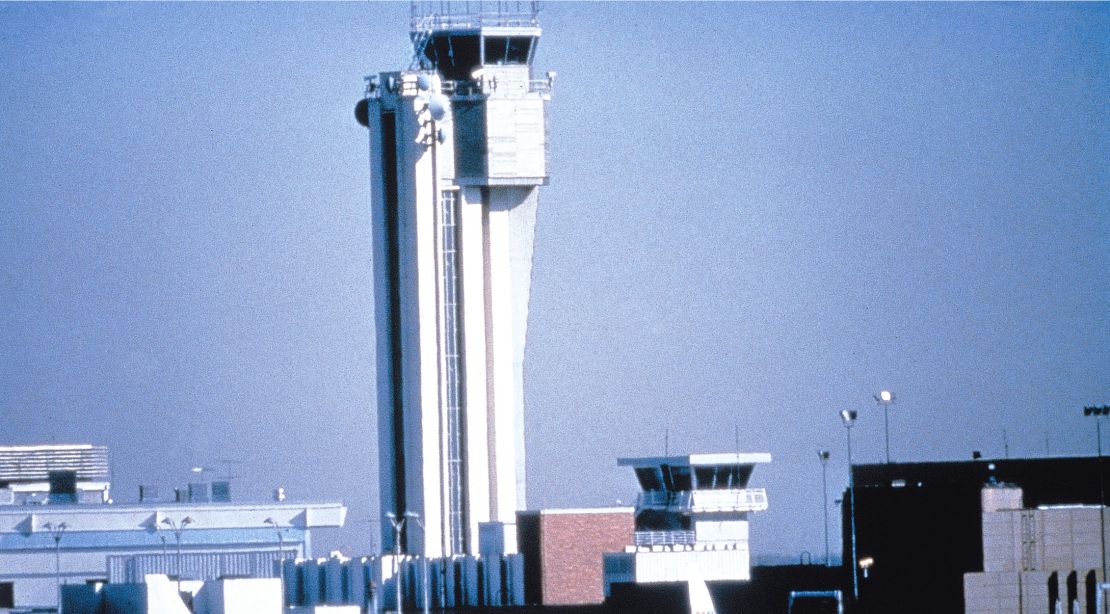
(698,460)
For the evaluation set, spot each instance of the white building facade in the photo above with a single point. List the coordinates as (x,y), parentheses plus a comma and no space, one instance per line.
(101,543)
(458,150)
(1047,559)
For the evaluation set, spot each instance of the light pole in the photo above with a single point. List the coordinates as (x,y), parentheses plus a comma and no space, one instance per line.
(178,529)
(416,517)
(56,531)
(1097,412)
(281,555)
(823,455)
(848,416)
(398,526)
(886,399)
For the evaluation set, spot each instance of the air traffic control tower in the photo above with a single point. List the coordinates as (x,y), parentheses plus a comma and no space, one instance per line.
(458,149)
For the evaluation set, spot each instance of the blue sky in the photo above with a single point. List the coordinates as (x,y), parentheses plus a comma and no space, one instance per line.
(759,214)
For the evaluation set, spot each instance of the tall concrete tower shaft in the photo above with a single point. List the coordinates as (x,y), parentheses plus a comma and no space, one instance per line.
(458,150)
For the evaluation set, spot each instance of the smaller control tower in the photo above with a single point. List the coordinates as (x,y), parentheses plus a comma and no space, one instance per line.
(691,521)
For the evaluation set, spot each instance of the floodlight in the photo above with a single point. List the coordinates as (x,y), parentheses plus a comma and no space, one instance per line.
(848,416)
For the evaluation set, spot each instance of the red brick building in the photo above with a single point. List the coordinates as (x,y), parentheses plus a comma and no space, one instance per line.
(563,552)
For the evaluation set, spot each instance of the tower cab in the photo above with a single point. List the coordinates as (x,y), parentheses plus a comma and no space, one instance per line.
(482,54)
(691,520)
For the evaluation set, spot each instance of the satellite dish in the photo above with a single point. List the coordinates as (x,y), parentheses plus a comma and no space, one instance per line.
(438,105)
(362,112)
(424,83)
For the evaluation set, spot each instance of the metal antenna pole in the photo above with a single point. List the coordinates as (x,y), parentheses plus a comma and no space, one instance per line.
(424,558)
(398,524)
(397,563)
(885,398)
(824,456)
(852,505)
(177,534)
(1098,412)
(1101,497)
(886,429)
(178,529)
(281,556)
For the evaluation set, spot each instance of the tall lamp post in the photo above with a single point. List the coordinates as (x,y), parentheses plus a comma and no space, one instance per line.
(424,563)
(848,417)
(823,456)
(885,398)
(398,526)
(56,531)
(178,529)
(281,555)
(1097,412)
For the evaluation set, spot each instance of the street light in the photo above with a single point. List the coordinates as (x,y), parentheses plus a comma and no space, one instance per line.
(281,555)
(823,455)
(56,531)
(886,399)
(398,526)
(1097,412)
(178,529)
(848,417)
(416,517)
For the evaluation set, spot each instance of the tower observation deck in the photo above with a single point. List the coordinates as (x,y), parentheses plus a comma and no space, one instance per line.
(691,520)
(458,148)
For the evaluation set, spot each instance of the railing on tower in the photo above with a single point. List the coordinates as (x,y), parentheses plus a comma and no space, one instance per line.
(665,538)
(432,15)
(732,500)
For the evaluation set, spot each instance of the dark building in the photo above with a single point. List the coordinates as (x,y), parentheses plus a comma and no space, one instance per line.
(920,524)
(768,592)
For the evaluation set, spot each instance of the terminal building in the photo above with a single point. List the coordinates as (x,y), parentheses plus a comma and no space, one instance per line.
(73,534)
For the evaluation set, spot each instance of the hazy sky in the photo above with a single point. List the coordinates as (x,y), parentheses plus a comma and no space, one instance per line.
(759,214)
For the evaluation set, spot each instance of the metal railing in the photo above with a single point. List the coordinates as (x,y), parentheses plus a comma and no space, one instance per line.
(665,538)
(482,87)
(429,16)
(470,89)
(742,500)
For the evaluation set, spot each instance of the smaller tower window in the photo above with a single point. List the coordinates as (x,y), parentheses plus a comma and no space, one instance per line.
(649,478)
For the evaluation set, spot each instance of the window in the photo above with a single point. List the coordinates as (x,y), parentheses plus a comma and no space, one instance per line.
(507,49)
(7,595)
(677,478)
(649,478)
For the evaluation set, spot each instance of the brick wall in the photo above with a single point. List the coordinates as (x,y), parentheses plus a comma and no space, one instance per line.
(570,548)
